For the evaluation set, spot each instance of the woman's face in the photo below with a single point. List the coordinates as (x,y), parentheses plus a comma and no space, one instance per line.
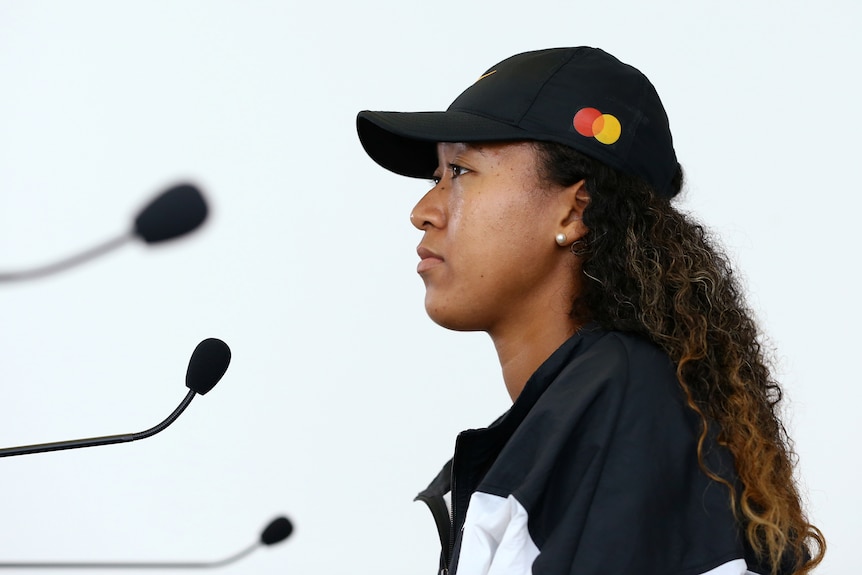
(488,255)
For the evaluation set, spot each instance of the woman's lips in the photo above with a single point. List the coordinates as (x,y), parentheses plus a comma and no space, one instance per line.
(428,259)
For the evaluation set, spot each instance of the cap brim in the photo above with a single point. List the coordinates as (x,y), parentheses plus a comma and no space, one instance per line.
(406,142)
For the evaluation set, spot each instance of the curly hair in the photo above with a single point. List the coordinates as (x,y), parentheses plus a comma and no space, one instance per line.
(652,270)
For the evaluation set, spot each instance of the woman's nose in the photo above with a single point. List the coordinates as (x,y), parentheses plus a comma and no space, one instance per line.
(429,211)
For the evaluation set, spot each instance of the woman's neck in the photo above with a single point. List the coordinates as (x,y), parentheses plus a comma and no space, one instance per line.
(521,352)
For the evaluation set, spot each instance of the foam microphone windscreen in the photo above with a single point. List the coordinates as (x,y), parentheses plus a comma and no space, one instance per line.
(207,366)
(176,211)
(278,530)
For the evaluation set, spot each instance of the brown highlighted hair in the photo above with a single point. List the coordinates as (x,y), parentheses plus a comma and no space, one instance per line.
(652,270)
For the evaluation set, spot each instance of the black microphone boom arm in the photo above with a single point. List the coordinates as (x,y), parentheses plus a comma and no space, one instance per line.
(69,262)
(208,364)
(94,441)
(277,531)
(134,565)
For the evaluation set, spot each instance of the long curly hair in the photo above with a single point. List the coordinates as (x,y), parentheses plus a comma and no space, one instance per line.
(652,270)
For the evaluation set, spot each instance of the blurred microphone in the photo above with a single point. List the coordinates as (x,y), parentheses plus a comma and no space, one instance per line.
(207,365)
(175,212)
(277,531)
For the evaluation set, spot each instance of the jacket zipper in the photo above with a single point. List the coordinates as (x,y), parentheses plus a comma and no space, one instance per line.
(452,515)
(447,560)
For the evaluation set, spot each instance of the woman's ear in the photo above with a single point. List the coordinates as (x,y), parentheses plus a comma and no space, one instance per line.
(574,201)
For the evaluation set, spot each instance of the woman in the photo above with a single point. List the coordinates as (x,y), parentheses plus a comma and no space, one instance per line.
(644,435)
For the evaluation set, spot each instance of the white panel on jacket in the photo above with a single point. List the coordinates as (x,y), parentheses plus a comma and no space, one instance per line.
(735,567)
(496,540)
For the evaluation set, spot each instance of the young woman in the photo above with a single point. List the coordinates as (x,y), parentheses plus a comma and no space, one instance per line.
(644,436)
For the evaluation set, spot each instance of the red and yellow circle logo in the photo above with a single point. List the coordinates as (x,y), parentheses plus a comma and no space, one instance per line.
(592,123)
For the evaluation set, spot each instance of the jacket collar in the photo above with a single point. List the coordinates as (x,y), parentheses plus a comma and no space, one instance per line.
(494,437)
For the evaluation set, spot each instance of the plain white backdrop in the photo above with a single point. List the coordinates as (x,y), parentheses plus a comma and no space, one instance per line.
(343,399)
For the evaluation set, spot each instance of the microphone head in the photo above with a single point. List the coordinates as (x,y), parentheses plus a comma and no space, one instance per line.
(207,366)
(176,211)
(277,531)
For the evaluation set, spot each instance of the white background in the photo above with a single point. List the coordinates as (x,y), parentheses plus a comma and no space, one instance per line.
(343,399)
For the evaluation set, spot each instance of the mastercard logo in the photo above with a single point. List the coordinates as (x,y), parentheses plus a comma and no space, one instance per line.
(591,123)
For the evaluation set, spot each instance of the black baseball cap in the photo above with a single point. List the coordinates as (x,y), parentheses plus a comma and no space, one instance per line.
(581,97)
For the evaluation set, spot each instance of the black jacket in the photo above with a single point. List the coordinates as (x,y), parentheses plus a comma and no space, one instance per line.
(593,471)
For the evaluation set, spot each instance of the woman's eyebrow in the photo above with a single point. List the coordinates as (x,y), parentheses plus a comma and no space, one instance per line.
(480,149)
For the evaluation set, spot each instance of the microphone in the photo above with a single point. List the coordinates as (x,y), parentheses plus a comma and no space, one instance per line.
(173,213)
(208,364)
(277,531)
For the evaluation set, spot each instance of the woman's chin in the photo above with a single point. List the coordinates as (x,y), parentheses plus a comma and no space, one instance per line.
(456,320)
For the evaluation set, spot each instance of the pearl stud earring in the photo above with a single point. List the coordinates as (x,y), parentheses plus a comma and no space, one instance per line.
(561,239)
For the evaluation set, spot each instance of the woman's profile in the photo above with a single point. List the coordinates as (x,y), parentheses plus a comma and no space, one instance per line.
(644,435)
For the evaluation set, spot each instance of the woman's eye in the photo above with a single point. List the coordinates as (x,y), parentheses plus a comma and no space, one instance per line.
(457,170)
(454,169)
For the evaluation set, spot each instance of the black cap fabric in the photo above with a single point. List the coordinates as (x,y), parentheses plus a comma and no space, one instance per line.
(581,97)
